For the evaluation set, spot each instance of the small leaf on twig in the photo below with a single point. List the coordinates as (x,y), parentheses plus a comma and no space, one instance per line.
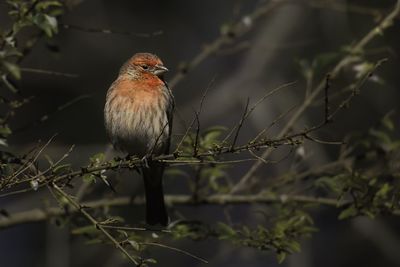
(47,23)
(13,69)
(134,244)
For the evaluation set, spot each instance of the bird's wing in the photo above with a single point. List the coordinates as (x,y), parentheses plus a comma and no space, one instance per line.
(170,116)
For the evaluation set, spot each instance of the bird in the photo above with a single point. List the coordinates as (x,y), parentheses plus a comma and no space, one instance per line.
(138,116)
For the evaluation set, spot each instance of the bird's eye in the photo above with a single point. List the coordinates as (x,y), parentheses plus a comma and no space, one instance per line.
(145,67)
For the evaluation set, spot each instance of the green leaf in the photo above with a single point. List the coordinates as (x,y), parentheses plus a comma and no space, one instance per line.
(5,131)
(3,142)
(47,23)
(150,260)
(7,83)
(13,69)
(89,178)
(134,244)
(384,190)
(328,183)
(293,245)
(97,159)
(281,256)
(61,168)
(213,174)
(10,51)
(388,123)
(348,213)
(226,232)
(381,136)
(211,135)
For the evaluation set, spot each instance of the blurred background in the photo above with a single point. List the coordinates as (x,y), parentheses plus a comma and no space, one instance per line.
(276,49)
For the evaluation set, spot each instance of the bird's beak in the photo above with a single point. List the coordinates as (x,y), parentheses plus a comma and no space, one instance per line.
(160,70)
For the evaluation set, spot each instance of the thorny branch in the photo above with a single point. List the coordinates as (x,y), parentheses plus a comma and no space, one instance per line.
(95,223)
(240,124)
(37,215)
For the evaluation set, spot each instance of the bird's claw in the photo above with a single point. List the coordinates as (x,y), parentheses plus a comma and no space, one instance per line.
(145,161)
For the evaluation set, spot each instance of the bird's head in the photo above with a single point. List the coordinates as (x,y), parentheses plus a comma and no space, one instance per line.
(144,64)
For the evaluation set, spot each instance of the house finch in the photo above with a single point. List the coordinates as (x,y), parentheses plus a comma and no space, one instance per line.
(138,120)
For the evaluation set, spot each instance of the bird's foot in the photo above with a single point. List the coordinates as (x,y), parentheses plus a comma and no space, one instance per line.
(145,161)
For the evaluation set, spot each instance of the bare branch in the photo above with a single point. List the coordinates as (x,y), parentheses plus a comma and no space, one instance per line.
(188,129)
(95,223)
(327,85)
(50,72)
(196,139)
(240,124)
(37,215)
(264,97)
(108,31)
(174,249)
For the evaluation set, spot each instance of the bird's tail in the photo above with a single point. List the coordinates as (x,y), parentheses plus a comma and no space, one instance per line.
(155,206)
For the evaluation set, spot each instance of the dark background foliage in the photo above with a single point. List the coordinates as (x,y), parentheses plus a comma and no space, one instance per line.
(280,47)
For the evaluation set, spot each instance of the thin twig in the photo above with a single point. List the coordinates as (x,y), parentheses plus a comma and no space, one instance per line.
(264,97)
(26,165)
(197,137)
(53,165)
(126,228)
(266,129)
(109,31)
(174,249)
(240,124)
(199,109)
(38,215)
(324,142)
(50,72)
(327,85)
(95,223)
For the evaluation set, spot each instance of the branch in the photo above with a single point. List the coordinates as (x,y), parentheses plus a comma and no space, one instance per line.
(50,72)
(38,215)
(248,111)
(95,223)
(172,159)
(174,249)
(236,30)
(109,31)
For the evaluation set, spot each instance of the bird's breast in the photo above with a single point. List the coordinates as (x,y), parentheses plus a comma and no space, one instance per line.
(136,120)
